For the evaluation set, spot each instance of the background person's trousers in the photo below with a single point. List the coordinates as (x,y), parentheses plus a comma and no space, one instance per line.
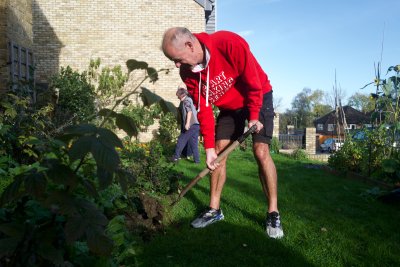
(190,137)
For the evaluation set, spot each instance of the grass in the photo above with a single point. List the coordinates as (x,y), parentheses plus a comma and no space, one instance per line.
(327,222)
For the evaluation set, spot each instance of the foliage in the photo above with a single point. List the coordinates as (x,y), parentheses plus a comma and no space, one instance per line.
(299,154)
(308,105)
(76,101)
(142,115)
(361,102)
(51,209)
(347,158)
(168,131)
(377,154)
(153,173)
(107,81)
(275,145)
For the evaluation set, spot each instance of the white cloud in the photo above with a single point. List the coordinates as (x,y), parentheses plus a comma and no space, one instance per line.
(245,33)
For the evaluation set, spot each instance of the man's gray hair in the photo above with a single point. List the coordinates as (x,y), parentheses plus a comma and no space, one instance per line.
(174,35)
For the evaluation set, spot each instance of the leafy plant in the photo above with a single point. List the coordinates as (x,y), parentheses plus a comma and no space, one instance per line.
(275,145)
(299,154)
(347,158)
(76,101)
(50,210)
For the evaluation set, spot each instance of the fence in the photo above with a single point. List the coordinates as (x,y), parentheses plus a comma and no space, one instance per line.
(292,141)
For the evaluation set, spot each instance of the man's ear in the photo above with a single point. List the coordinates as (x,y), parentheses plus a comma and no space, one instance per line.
(189,44)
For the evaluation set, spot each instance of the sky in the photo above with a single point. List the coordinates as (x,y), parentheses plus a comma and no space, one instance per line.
(303,43)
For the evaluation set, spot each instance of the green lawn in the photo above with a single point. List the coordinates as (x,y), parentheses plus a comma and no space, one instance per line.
(326,219)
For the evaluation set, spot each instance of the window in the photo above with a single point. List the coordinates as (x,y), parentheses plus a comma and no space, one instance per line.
(21,63)
(331,127)
(320,127)
(351,126)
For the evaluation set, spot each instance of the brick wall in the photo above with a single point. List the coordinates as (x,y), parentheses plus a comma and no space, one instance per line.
(73,32)
(16,26)
(3,45)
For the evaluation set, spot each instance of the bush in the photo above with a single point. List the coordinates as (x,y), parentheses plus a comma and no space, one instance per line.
(168,131)
(76,101)
(347,158)
(299,154)
(275,145)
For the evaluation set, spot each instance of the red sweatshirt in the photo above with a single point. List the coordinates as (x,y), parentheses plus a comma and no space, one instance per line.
(233,79)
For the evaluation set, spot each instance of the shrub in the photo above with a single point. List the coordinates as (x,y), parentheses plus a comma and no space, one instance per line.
(347,158)
(76,101)
(299,154)
(275,145)
(168,131)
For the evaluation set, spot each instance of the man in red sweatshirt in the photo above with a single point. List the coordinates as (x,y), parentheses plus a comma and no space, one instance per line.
(219,69)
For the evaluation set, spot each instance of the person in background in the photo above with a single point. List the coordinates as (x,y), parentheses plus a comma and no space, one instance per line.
(219,69)
(189,136)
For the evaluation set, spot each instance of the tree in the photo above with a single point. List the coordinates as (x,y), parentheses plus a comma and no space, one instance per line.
(361,102)
(308,105)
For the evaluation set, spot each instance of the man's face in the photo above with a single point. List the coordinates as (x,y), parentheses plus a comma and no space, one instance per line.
(182,56)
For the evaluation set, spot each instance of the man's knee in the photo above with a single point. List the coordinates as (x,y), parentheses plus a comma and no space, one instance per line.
(261,150)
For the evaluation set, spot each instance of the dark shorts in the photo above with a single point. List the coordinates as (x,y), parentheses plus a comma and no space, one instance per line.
(231,123)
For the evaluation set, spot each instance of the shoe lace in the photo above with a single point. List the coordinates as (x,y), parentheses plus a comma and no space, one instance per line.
(273,220)
(209,213)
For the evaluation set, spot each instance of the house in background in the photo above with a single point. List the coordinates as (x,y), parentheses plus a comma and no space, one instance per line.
(45,35)
(326,125)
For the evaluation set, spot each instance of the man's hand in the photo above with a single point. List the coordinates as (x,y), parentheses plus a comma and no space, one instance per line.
(211,155)
(257,123)
(187,126)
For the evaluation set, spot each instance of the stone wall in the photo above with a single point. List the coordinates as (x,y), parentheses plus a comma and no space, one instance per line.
(276,126)
(3,45)
(310,140)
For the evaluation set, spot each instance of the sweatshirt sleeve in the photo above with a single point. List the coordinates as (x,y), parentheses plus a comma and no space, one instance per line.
(248,71)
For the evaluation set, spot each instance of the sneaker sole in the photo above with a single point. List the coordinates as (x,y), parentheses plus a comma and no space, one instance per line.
(277,235)
(211,221)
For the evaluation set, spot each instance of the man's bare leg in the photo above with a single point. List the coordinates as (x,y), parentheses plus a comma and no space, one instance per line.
(218,177)
(217,181)
(267,175)
(269,182)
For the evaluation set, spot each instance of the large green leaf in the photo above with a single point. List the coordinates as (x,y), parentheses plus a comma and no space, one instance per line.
(81,147)
(90,187)
(109,138)
(125,177)
(80,129)
(12,191)
(152,73)
(12,229)
(91,213)
(75,228)
(98,242)
(50,253)
(8,246)
(62,201)
(107,112)
(106,158)
(62,174)
(148,97)
(133,64)
(127,124)
(35,184)
(105,177)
